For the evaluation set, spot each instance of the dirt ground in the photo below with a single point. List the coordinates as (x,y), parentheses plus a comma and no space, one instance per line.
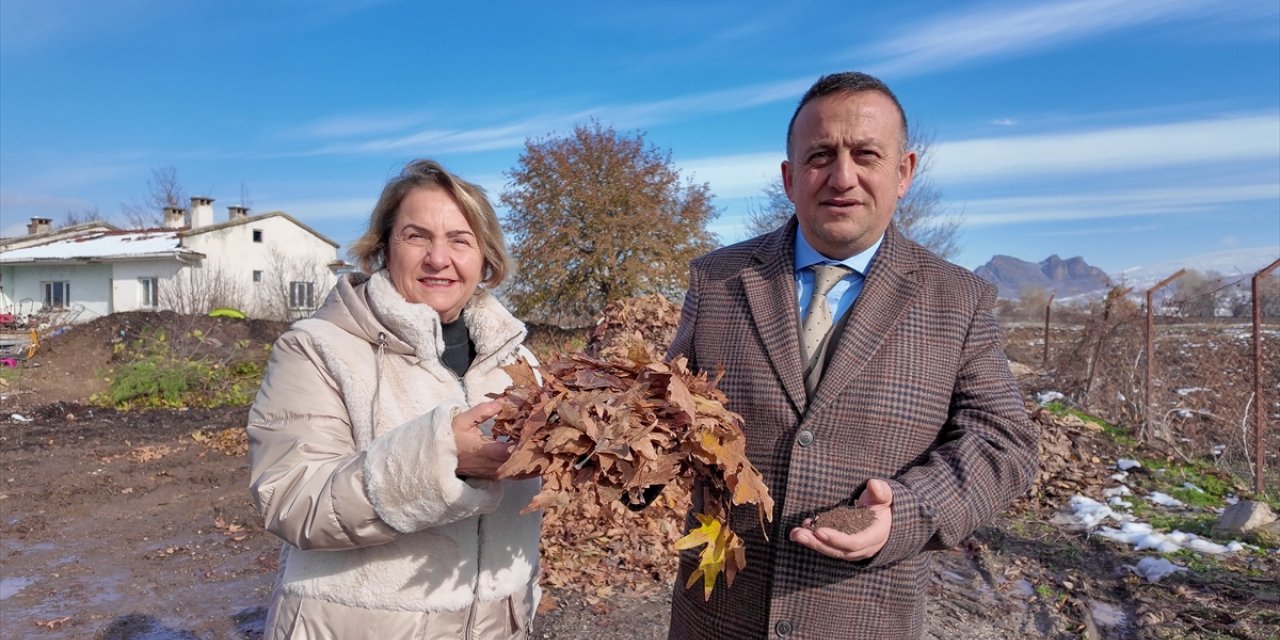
(139,526)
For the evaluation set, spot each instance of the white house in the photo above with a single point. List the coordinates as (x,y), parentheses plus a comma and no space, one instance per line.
(266,265)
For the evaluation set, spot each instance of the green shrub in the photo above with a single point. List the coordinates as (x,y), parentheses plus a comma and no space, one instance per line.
(155,375)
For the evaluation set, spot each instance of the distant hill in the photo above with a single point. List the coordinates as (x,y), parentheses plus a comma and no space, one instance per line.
(1065,278)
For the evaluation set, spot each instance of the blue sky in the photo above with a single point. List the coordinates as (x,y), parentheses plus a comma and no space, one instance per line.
(1128,132)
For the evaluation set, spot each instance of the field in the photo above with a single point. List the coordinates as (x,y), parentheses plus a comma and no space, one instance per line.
(137,524)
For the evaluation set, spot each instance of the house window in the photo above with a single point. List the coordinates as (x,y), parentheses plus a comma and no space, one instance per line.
(257,235)
(150,292)
(302,295)
(57,295)
(257,276)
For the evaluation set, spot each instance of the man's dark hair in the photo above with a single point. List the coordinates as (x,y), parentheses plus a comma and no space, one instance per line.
(846,82)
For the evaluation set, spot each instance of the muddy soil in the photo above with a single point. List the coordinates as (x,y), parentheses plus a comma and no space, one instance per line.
(125,526)
(139,526)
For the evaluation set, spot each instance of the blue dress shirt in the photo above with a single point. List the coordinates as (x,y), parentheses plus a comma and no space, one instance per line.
(842,296)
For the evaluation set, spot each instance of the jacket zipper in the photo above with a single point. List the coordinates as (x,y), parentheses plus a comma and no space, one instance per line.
(469,632)
(475,586)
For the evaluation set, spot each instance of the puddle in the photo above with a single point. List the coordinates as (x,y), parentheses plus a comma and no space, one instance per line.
(10,587)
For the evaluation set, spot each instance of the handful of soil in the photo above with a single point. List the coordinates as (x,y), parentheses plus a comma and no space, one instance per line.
(844,518)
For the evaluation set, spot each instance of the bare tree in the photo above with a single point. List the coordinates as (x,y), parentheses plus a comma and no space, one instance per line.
(291,288)
(199,289)
(72,218)
(770,213)
(1198,294)
(920,215)
(163,190)
(246,200)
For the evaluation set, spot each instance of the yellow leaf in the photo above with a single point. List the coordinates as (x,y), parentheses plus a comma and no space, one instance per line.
(710,530)
(717,539)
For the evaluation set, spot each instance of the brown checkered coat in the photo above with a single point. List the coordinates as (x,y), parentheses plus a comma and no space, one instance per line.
(917,391)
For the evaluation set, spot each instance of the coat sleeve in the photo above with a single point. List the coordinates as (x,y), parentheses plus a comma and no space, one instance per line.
(985,458)
(315,490)
(682,343)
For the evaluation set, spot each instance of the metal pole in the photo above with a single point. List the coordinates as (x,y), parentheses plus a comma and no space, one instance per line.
(1260,409)
(1048,306)
(1151,354)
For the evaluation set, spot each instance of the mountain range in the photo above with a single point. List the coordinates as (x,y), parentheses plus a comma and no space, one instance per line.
(1065,278)
(1074,276)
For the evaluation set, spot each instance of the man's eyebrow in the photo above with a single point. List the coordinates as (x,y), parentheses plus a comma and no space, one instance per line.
(827,143)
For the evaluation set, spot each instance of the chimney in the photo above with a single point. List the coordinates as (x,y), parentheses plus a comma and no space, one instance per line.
(237,212)
(38,225)
(175,218)
(201,212)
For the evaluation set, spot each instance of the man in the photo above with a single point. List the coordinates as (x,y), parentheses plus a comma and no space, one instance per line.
(904,405)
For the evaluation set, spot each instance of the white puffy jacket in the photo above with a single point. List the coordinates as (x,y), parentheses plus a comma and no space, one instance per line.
(353,461)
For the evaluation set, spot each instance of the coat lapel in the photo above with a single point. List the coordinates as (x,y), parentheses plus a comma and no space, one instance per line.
(770,287)
(886,296)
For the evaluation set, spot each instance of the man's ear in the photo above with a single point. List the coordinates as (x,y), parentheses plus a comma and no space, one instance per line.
(787,179)
(906,171)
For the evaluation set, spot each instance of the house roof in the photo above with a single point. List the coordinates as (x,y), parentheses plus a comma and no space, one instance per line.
(56,234)
(261,216)
(103,246)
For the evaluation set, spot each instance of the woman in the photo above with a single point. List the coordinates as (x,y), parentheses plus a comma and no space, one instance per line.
(366,448)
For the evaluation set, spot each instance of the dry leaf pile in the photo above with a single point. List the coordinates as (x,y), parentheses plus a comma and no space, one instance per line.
(601,431)
(623,324)
(1070,454)
(604,551)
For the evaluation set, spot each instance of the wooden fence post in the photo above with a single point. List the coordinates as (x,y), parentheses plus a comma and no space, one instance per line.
(1261,409)
(1151,355)
(1048,306)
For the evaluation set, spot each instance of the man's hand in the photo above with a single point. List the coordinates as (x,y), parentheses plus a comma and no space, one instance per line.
(479,456)
(862,545)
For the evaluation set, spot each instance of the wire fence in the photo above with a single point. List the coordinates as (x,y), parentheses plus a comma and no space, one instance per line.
(1189,372)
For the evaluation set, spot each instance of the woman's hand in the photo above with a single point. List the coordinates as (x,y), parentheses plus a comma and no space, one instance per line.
(479,456)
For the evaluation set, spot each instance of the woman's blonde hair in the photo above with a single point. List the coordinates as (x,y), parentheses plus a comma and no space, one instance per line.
(370,249)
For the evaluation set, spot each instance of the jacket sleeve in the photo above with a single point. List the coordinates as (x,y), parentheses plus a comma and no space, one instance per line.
(315,490)
(682,343)
(985,458)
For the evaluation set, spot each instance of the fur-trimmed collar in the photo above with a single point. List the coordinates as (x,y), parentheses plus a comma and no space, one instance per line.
(372,308)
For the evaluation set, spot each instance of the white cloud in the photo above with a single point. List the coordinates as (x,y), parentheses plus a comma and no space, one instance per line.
(1004,122)
(1005,29)
(1140,147)
(736,175)
(1003,159)
(1113,204)
(513,134)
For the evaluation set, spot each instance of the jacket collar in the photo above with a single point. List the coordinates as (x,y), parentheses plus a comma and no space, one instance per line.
(769,285)
(369,306)
(887,294)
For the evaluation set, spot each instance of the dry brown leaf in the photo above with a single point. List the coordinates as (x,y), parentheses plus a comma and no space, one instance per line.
(596,429)
(54,623)
(149,452)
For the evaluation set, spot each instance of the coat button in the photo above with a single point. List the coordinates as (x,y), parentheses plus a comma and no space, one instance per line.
(783,628)
(805,438)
